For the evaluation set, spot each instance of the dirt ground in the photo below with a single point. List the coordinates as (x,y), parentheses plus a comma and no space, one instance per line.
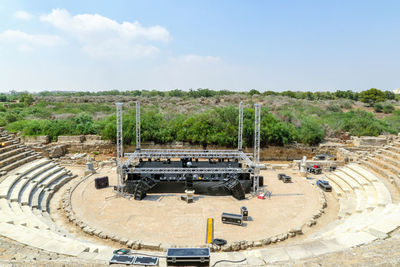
(165,218)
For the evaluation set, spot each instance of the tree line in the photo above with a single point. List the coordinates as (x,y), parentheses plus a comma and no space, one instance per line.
(369,96)
(217,126)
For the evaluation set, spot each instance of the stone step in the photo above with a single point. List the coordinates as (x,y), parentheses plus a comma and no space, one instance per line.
(44,201)
(340,182)
(6,185)
(15,191)
(51,179)
(349,180)
(46,219)
(372,196)
(20,162)
(359,178)
(396,144)
(10,143)
(10,147)
(36,195)
(11,179)
(44,204)
(391,154)
(26,217)
(366,220)
(7,215)
(28,192)
(336,188)
(60,182)
(393,178)
(383,194)
(13,152)
(368,166)
(20,185)
(394,149)
(387,166)
(363,172)
(347,206)
(388,160)
(42,239)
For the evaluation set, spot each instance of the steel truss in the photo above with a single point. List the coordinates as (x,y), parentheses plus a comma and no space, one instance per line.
(256,157)
(240,128)
(120,145)
(251,161)
(137,125)
(181,153)
(185,170)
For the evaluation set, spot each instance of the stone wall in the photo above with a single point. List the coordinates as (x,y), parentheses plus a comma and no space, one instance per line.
(91,143)
(369,141)
(42,139)
(70,139)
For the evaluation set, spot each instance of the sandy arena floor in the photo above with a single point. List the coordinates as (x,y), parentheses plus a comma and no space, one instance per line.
(165,218)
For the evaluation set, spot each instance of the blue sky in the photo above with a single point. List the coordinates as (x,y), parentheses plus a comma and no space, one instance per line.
(235,45)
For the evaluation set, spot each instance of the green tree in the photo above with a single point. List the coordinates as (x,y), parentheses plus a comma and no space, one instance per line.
(26,98)
(310,132)
(253,92)
(372,96)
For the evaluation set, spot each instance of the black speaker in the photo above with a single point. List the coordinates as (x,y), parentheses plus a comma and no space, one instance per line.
(101,182)
(260,180)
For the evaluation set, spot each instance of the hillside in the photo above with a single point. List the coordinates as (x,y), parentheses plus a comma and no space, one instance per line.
(204,116)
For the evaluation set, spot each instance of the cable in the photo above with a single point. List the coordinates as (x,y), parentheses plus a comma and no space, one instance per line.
(130,252)
(147,255)
(239,261)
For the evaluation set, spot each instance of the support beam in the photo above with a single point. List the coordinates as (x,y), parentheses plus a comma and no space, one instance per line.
(137,125)
(240,128)
(256,156)
(120,144)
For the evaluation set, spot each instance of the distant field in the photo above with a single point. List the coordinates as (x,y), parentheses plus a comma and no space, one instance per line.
(204,116)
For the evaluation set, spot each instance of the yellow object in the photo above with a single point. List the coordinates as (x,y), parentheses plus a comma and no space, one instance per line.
(210,230)
(3,144)
(200,178)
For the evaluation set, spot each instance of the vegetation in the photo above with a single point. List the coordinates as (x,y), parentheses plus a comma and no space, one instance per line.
(287,117)
(372,96)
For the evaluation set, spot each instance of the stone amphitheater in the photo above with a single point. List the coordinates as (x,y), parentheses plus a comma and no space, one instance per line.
(364,233)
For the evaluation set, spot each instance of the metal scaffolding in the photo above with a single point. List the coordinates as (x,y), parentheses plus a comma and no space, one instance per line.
(181,153)
(186,170)
(240,128)
(250,161)
(256,156)
(137,125)
(120,144)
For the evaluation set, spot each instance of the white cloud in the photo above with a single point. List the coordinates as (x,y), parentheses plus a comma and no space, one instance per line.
(23,15)
(26,39)
(104,37)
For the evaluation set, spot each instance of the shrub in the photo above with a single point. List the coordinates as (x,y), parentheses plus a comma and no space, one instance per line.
(310,132)
(346,104)
(334,108)
(388,108)
(378,107)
